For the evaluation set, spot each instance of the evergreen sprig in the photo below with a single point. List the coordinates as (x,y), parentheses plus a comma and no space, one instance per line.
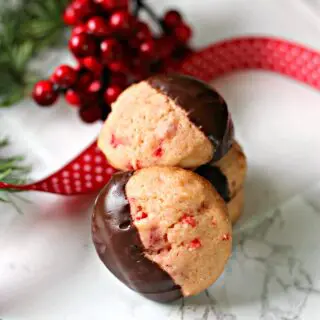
(11,171)
(26,29)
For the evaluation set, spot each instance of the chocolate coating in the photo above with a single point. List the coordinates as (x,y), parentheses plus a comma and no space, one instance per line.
(119,246)
(205,108)
(218,180)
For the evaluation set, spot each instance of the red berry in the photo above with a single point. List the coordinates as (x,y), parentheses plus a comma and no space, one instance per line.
(90,98)
(72,97)
(120,21)
(90,114)
(112,4)
(79,29)
(118,66)
(140,69)
(147,48)
(134,42)
(82,45)
(119,79)
(98,27)
(84,81)
(64,76)
(84,8)
(143,31)
(183,33)
(111,50)
(92,64)
(172,18)
(95,86)
(111,94)
(44,93)
(71,16)
(170,64)
(164,46)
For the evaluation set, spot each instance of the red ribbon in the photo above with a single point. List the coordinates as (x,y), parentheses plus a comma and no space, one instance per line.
(90,171)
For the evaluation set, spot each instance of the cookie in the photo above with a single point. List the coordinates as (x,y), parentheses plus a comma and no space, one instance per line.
(162,231)
(166,120)
(235,206)
(228,174)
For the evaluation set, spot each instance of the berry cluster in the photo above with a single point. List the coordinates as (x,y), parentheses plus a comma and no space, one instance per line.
(113,48)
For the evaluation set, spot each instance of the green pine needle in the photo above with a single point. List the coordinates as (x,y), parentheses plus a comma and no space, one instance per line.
(25,30)
(11,171)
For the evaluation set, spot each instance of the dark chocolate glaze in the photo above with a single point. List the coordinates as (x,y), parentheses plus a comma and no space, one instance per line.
(119,246)
(218,180)
(205,108)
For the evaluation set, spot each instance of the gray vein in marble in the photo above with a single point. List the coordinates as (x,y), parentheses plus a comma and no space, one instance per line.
(286,283)
(315,207)
(296,287)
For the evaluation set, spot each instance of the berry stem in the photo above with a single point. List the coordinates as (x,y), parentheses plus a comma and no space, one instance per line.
(140,4)
(137,7)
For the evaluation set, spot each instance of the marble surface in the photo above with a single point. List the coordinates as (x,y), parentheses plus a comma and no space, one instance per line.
(48,267)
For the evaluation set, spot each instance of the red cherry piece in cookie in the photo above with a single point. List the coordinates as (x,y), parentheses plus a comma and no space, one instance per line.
(158,153)
(129,167)
(138,165)
(141,215)
(195,244)
(190,220)
(115,142)
(155,237)
(226,237)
